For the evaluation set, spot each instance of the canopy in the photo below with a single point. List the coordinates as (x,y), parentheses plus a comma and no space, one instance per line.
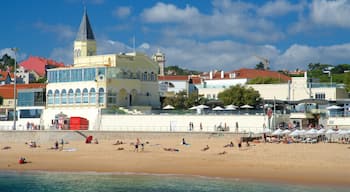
(330,131)
(277,132)
(311,132)
(169,107)
(295,133)
(334,107)
(230,107)
(285,132)
(246,107)
(265,130)
(218,108)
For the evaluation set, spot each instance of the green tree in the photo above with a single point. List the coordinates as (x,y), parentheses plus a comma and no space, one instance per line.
(265,80)
(347,81)
(239,95)
(260,66)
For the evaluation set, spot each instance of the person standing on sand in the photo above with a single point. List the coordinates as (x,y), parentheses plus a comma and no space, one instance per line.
(137,145)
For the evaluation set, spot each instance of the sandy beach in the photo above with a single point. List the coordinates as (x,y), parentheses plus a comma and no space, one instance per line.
(320,164)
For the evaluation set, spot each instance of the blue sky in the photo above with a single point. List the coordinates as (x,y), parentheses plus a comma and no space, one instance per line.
(200,35)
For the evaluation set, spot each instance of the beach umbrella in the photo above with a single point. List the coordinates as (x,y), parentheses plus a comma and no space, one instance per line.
(321,131)
(194,107)
(231,107)
(342,132)
(265,130)
(168,107)
(295,133)
(218,108)
(285,132)
(311,132)
(330,131)
(334,107)
(277,132)
(202,107)
(246,107)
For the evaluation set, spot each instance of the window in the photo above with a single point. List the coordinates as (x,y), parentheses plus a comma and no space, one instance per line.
(56,97)
(64,96)
(92,95)
(70,96)
(101,95)
(85,95)
(49,97)
(112,98)
(320,96)
(77,96)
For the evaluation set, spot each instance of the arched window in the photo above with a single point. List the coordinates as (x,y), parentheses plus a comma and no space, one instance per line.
(64,96)
(49,97)
(152,76)
(85,95)
(56,97)
(101,93)
(77,96)
(144,76)
(70,96)
(92,95)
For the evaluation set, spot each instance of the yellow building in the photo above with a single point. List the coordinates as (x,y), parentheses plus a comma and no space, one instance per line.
(101,81)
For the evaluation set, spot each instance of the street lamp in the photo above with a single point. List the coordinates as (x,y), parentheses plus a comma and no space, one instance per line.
(14,88)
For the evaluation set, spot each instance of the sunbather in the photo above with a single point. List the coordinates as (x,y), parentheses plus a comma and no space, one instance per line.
(171,149)
(205,148)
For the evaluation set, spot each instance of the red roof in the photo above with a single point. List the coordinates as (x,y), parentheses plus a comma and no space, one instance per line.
(254,73)
(6,91)
(38,64)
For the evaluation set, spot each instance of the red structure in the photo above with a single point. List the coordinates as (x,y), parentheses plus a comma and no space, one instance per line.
(78,123)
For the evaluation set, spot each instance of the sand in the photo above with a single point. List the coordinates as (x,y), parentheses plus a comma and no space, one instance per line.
(320,164)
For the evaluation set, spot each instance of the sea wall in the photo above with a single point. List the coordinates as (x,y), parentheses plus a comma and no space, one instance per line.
(52,136)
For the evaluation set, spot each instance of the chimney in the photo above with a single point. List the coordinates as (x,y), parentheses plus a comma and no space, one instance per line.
(211,75)
(222,74)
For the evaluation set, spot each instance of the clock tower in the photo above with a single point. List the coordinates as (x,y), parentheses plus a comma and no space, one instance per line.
(85,43)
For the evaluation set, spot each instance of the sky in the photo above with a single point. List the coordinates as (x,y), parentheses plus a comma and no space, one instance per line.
(198,35)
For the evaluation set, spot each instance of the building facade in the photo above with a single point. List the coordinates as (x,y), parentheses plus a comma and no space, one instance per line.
(97,82)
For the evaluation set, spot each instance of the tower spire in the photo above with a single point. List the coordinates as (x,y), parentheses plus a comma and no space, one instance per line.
(85,31)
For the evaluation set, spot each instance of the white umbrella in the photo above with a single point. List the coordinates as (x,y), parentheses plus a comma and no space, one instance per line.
(169,107)
(277,132)
(218,108)
(285,132)
(311,132)
(265,130)
(330,131)
(231,107)
(342,132)
(321,131)
(295,133)
(246,107)
(202,107)
(194,107)
(334,107)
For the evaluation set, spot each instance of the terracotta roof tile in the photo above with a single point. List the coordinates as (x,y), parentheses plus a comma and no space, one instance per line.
(38,64)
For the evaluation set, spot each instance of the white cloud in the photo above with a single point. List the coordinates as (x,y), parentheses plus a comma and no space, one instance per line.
(220,55)
(122,12)
(228,18)
(335,13)
(63,32)
(299,56)
(279,8)
(162,12)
